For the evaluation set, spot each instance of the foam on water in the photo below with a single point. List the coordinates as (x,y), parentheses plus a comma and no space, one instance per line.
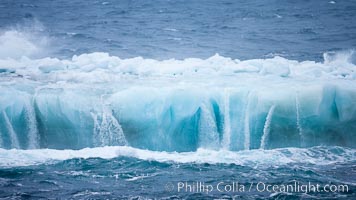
(314,156)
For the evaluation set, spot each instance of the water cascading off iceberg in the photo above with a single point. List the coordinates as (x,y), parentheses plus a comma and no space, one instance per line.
(218,103)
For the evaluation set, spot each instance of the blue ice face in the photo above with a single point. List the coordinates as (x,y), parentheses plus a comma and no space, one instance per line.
(179,119)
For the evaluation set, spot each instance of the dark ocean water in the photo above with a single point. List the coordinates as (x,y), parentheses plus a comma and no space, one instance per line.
(131,178)
(275,106)
(163,29)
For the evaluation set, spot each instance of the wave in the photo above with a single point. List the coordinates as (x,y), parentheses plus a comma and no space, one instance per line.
(263,158)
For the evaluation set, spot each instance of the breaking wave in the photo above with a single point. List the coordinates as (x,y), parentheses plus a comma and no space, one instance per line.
(261,158)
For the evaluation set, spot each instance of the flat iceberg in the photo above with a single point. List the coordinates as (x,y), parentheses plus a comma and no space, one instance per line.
(95,100)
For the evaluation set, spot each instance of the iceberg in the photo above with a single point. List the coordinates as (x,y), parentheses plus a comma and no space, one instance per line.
(95,100)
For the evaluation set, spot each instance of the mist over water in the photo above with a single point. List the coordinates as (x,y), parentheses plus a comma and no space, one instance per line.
(131,99)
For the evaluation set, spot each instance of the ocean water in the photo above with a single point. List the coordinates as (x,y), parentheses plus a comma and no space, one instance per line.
(177,99)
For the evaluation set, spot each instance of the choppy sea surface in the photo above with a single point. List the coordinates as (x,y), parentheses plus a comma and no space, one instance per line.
(177,99)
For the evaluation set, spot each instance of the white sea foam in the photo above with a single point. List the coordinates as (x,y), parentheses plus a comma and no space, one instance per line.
(315,155)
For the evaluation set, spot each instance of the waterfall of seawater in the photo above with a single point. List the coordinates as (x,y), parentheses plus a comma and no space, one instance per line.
(266,128)
(107,130)
(299,126)
(247,122)
(12,134)
(208,133)
(227,126)
(33,136)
